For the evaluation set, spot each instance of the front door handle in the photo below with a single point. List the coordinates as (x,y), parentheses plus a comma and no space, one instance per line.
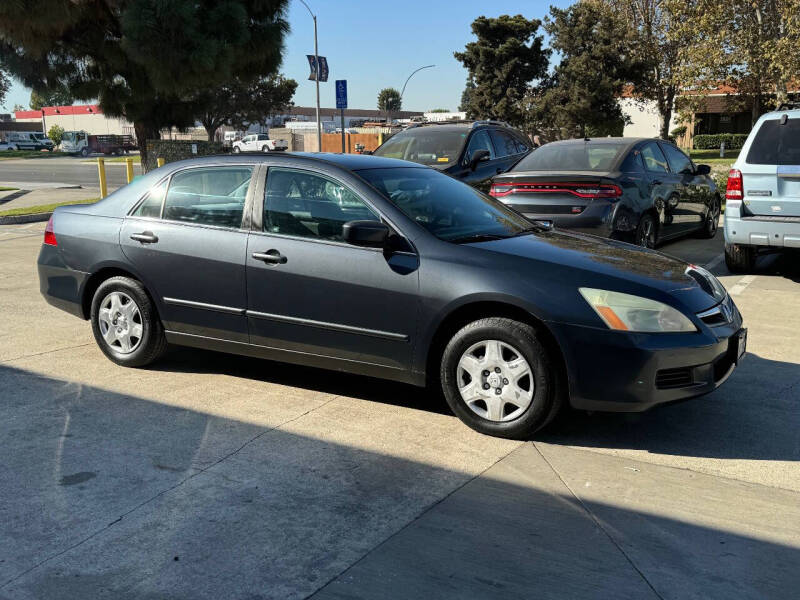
(270,256)
(146,237)
(656,182)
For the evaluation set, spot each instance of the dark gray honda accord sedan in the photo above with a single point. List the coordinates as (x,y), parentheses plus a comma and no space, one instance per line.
(390,269)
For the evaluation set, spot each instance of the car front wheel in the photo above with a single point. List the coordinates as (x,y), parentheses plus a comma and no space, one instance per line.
(711,223)
(646,232)
(499,379)
(125,323)
(236,150)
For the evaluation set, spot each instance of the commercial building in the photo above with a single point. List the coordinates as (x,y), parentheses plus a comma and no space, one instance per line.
(80,117)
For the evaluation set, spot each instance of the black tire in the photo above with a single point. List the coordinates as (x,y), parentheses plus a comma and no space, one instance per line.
(521,337)
(236,150)
(740,258)
(85,151)
(711,224)
(153,342)
(265,148)
(647,231)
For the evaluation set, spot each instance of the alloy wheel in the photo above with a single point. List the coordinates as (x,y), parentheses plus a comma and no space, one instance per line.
(120,322)
(647,234)
(495,381)
(713,219)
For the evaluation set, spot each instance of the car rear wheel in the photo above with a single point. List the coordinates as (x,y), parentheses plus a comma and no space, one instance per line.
(646,232)
(236,150)
(265,148)
(711,223)
(125,323)
(740,258)
(499,379)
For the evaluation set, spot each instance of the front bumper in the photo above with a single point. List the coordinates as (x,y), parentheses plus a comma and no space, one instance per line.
(631,372)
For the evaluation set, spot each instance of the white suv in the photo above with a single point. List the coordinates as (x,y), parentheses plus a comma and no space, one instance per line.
(763,196)
(259,142)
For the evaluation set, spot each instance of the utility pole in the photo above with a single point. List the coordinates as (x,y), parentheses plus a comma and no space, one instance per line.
(316,76)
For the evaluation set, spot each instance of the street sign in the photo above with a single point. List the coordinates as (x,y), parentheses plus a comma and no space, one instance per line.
(323,67)
(341,93)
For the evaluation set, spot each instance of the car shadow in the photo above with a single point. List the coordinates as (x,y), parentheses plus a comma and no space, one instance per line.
(754,415)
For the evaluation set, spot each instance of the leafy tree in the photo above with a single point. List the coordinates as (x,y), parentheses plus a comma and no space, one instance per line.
(389,101)
(240,104)
(505,59)
(440,110)
(466,95)
(18,107)
(657,38)
(5,85)
(750,45)
(57,97)
(56,133)
(581,96)
(144,60)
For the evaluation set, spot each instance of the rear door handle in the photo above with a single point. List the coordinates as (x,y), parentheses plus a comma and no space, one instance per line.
(270,256)
(656,182)
(146,237)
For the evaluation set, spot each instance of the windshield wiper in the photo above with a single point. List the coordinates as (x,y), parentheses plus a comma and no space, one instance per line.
(532,229)
(477,237)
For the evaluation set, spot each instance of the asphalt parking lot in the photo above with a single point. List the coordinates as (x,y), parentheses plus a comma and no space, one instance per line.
(213,476)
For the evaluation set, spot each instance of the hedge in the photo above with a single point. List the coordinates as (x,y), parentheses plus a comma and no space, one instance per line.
(712,142)
(172,150)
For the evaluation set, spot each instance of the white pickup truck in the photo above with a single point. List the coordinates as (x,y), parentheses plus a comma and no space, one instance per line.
(259,142)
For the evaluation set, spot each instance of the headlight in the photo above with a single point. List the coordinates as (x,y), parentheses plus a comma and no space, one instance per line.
(624,312)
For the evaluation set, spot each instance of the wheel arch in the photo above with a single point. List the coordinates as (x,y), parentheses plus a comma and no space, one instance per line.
(98,277)
(472,311)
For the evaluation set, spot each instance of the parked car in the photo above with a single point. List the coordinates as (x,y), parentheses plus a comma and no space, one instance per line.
(763,194)
(386,268)
(645,191)
(26,140)
(4,146)
(259,142)
(473,151)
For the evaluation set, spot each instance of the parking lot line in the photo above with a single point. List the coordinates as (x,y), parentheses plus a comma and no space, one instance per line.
(741,285)
(714,262)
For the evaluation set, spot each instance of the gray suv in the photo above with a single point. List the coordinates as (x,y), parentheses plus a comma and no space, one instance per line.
(763,196)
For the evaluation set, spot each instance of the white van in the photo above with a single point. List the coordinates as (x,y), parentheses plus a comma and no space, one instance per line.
(27,140)
(762,208)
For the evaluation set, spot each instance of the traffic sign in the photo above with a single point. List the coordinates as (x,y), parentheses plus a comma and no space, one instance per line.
(341,93)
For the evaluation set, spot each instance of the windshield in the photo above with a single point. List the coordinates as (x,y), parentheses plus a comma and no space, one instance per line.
(425,145)
(574,156)
(451,210)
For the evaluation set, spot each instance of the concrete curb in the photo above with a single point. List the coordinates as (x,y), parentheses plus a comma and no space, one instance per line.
(19,219)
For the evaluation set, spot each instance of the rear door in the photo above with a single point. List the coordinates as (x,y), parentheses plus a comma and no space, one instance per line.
(771,170)
(665,188)
(695,190)
(186,241)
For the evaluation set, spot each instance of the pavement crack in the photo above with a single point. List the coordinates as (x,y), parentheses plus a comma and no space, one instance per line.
(599,524)
(121,517)
(424,511)
(8,360)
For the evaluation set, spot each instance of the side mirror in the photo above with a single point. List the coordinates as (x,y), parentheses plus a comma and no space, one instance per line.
(478,156)
(367,152)
(370,234)
(702,170)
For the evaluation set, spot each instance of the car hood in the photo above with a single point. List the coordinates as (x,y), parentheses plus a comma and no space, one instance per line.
(590,261)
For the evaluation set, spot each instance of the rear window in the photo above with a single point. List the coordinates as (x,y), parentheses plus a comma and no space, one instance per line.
(776,144)
(573,157)
(425,145)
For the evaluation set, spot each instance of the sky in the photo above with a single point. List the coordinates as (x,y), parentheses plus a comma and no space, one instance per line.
(375,44)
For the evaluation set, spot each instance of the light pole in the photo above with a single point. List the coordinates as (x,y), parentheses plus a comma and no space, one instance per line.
(409,77)
(316,76)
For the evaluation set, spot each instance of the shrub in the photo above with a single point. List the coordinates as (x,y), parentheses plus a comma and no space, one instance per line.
(712,142)
(678,132)
(56,133)
(172,150)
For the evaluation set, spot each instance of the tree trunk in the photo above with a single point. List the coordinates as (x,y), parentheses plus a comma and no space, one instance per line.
(665,105)
(144,131)
(756,111)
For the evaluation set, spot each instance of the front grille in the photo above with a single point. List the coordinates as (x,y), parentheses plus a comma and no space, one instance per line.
(714,318)
(674,378)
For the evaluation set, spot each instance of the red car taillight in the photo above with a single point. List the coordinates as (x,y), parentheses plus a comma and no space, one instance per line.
(607,191)
(735,188)
(49,234)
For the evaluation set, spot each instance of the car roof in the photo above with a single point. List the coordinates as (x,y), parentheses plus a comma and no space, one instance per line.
(351,162)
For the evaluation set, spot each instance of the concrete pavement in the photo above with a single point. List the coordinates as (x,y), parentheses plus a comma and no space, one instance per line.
(214,476)
(67,170)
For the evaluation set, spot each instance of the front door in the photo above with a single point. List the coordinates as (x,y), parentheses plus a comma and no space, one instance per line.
(313,295)
(665,188)
(695,189)
(186,241)
(481,176)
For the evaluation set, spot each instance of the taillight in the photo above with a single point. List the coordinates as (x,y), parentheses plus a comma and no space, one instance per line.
(735,188)
(49,234)
(581,190)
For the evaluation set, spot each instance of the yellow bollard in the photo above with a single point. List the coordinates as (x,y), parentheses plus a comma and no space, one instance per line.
(380,139)
(101,171)
(129,169)
(160,162)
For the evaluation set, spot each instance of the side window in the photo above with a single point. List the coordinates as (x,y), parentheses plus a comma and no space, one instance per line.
(523,145)
(504,144)
(632,163)
(678,161)
(209,195)
(654,160)
(479,141)
(306,205)
(151,206)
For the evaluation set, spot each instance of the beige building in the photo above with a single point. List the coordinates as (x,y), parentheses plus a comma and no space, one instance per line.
(83,117)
